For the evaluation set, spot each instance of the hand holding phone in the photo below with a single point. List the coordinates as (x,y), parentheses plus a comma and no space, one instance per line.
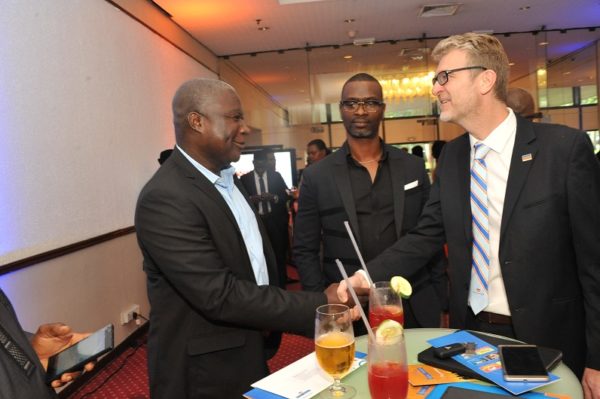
(76,356)
(522,363)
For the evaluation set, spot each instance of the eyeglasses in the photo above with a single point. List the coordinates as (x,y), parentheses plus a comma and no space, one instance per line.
(442,77)
(368,105)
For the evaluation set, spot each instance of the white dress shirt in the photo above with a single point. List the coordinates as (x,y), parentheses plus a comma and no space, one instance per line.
(501,141)
(244,216)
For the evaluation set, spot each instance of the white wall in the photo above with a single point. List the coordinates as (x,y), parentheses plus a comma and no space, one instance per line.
(85,93)
(84,113)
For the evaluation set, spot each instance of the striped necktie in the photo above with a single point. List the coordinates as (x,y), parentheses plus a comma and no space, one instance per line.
(478,292)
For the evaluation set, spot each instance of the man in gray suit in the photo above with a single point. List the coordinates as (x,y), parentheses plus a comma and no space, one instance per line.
(210,272)
(379,189)
(529,266)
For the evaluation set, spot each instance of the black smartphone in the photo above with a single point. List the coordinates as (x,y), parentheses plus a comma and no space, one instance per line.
(76,356)
(522,363)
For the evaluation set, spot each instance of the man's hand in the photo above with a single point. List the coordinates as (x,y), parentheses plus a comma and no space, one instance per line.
(333,296)
(358,282)
(53,338)
(591,383)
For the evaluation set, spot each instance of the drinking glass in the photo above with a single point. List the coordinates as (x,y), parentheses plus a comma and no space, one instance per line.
(387,369)
(334,347)
(384,303)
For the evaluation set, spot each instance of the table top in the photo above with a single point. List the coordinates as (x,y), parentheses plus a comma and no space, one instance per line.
(416,341)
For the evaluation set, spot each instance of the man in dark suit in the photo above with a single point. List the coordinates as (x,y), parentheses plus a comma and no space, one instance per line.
(537,275)
(268,193)
(207,261)
(379,189)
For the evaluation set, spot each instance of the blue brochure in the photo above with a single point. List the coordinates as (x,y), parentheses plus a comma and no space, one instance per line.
(486,362)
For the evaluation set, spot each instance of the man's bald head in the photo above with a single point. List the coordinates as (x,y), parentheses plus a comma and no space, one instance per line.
(520,101)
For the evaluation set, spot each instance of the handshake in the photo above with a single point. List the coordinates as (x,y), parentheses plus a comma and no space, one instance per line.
(340,293)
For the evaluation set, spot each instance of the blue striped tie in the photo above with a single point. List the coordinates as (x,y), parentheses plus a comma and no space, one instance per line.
(478,292)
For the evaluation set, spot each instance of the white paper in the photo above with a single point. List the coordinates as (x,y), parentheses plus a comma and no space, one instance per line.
(411,185)
(300,380)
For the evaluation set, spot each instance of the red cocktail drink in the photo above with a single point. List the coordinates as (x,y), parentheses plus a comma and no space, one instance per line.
(381,313)
(388,380)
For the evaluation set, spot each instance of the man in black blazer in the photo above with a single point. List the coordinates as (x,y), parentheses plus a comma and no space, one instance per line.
(380,190)
(208,264)
(543,187)
(270,199)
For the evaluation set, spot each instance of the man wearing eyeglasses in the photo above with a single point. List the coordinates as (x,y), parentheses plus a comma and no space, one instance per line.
(380,190)
(517,203)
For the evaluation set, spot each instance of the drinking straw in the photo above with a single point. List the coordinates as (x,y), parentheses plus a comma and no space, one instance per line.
(360,258)
(355,297)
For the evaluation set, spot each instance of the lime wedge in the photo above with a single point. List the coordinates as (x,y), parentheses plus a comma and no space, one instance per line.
(401,286)
(389,332)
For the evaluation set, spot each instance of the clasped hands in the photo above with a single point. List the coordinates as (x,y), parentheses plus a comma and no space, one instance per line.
(339,293)
(53,338)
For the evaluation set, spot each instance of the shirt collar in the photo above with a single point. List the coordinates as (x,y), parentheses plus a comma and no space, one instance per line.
(499,138)
(225,179)
(384,151)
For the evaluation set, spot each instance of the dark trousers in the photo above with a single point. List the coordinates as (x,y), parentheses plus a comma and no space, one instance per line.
(277,230)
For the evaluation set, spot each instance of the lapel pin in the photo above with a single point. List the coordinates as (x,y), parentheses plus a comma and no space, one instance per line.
(526,157)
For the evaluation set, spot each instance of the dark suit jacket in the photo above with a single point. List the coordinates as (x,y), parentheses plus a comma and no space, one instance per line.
(207,313)
(275,185)
(549,239)
(326,201)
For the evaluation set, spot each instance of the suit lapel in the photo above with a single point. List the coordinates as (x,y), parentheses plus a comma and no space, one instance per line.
(397,173)
(525,145)
(199,181)
(463,167)
(342,180)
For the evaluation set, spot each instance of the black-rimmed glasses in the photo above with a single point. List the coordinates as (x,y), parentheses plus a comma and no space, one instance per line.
(368,105)
(442,77)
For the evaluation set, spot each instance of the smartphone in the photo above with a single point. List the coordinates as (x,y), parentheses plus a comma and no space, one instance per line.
(76,356)
(522,363)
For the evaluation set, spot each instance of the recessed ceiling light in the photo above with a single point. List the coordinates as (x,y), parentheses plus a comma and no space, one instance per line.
(263,28)
(347,57)
(349,20)
(542,43)
(511,63)
(567,73)
(524,8)
(439,10)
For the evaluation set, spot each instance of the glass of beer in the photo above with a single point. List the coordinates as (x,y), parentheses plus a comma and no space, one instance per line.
(334,347)
(386,362)
(384,303)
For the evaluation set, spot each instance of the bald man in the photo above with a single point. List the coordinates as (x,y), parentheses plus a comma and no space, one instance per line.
(211,274)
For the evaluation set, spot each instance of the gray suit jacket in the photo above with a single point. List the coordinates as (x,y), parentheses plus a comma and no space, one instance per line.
(549,239)
(207,313)
(326,201)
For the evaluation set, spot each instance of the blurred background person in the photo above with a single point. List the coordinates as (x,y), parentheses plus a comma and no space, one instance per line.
(268,192)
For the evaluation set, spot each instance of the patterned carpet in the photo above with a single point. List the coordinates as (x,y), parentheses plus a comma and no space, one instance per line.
(126,377)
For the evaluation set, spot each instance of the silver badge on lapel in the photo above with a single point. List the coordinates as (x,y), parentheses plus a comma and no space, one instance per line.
(526,157)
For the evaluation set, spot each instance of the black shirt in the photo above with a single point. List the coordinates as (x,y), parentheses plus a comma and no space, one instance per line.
(374,206)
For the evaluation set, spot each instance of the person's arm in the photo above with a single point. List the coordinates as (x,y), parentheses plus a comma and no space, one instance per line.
(53,338)
(307,237)
(583,185)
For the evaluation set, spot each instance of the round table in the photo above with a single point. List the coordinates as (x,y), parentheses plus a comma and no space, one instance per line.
(416,341)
